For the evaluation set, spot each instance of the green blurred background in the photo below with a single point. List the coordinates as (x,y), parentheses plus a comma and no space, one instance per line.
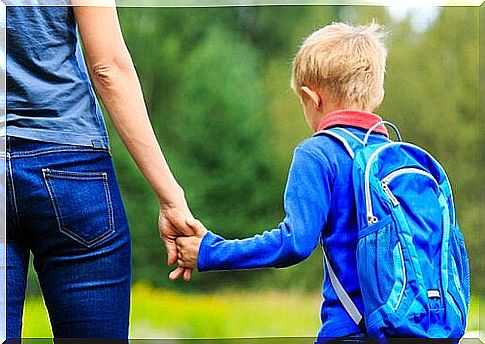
(216,82)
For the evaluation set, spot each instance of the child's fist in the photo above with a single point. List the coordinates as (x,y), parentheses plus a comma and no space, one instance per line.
(188,251)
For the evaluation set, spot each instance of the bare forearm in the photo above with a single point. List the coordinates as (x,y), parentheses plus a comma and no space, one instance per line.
(116,82)
(120,91)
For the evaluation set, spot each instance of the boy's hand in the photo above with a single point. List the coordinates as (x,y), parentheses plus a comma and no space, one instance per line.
(188,247)
(188,251)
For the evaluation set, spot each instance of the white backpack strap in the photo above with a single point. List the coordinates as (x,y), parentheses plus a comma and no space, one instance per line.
(350,141)
(347,302)
(381,123)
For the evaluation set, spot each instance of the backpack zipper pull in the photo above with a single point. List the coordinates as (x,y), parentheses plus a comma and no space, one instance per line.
(389,194)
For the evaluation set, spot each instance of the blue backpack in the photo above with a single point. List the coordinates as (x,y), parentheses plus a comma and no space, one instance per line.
(411,258)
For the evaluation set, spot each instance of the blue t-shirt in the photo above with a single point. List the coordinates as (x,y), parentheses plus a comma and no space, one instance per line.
(320,208)
(49,93)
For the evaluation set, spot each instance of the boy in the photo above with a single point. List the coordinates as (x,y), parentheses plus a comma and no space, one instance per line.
(338,75)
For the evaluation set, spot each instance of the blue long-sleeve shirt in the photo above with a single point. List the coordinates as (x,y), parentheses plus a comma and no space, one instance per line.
(320,207)
(307,203)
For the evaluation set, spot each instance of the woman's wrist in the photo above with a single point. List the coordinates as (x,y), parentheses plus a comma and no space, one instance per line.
(173,199)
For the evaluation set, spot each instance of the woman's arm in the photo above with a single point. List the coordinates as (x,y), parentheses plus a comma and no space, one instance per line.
(116,82)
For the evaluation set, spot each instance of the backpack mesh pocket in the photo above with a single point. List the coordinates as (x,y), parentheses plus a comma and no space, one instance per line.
(380,265)
(458,277)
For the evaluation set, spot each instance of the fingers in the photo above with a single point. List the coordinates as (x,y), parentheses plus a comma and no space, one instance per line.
(171,252)
(186,264)
(178,219)
(167,235)
(176,274)
(170,223)
(188,274)
(180,261)
(181,272)
(185,245)
(181,242)
(196,226)
(180,255)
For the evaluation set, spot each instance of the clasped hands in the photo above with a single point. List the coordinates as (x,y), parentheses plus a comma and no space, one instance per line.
(182,235)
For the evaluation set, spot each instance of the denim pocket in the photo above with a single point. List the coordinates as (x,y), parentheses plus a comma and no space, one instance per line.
(82,204)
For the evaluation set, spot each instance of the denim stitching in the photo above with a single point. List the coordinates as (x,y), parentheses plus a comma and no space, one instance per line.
(38,152)
(92,175)
(108,201)
(77,237)
(75,175)
(14,197)
(52,198)
(109,204)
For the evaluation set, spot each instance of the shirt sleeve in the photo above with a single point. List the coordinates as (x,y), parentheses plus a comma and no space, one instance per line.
(307,202)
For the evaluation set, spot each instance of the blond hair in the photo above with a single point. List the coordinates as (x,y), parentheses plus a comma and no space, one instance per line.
(347,62)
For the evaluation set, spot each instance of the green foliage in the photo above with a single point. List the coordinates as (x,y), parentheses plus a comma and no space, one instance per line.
(222,135)
(216,82)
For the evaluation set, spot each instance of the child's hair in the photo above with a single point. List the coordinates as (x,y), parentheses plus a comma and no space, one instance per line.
(347,62)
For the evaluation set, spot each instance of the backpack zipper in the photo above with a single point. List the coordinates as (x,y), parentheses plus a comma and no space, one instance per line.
(394,200)
(401,171)
(403,267)
(368,201)
(371,219)
(385,182)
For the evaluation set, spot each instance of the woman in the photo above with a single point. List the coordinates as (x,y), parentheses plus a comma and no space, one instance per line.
(63,201)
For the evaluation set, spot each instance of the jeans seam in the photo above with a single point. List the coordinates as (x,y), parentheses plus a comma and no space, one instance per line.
(34,153)
(14,197)
(74,175)
(52,198)
(89,244)
(108,201)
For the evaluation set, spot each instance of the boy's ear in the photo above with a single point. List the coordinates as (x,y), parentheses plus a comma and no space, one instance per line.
(312,95)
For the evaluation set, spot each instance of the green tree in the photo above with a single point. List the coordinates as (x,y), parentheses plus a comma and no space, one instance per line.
(224,161)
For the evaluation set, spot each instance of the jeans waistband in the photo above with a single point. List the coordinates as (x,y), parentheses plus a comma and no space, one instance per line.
(20,147)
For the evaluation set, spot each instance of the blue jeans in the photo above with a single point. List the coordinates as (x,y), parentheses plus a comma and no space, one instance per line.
(64,207)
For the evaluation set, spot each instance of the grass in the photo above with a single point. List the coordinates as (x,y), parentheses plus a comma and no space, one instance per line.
(166,314)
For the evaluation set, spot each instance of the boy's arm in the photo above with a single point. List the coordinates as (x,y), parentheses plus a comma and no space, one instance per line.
(307,204)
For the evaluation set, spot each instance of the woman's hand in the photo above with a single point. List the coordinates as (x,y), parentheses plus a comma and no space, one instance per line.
(169,233)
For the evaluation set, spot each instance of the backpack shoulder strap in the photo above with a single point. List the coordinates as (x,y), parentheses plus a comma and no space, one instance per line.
(342,295)
(350,141)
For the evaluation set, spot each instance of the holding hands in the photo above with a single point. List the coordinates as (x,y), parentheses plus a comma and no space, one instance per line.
(182,235)
(188,247)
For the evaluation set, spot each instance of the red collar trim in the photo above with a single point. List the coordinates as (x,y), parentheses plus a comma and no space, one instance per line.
(352,118)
